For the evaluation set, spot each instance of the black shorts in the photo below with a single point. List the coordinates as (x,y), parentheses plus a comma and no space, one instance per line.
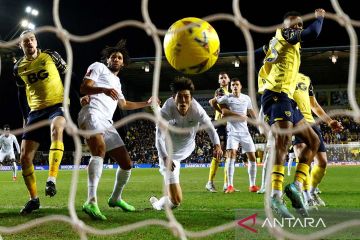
(318,132)
(48,113)
(279,107)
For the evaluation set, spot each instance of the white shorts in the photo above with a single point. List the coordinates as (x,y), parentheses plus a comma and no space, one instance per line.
(3,155)
(244,139)
(170,177)
(89,121)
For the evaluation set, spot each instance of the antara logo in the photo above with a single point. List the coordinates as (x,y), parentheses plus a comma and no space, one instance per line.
(294,222)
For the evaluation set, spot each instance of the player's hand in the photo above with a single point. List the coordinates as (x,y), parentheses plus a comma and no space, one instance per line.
(85,100)
(111,93)
(336,126)
(319,12)
(217,153)
(153,99)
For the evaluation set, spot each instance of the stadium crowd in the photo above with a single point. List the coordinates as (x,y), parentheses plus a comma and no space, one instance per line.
(140,141)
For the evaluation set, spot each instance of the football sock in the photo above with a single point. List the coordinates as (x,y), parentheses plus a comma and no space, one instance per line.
(165,200)
(277,180)
(252,168)
(122,177)
(263,176)
(302,171)
(317,174)
(213,168)
(30,180)
(94,173)
(14,168)
(55,156)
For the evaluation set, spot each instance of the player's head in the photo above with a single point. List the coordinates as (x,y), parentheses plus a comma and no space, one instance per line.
(235,85)
(28,42)
(293,19)
(6,129)
(224,79)
(182,89)
(116,56)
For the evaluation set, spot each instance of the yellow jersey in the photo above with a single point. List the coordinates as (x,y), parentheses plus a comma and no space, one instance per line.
(281,65)
(219,114)
(304,90)
(41,77)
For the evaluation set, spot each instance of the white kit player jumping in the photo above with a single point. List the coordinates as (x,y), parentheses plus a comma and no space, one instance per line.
(7,141)
(182,111)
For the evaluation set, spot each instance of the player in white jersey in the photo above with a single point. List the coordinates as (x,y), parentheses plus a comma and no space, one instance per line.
(103,89)
(238,105)
(181,111)
(7,141)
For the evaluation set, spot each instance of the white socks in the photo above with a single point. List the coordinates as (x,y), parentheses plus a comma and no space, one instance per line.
(94,173)
(252,168)
(230,166)
(122,177)
(289,165)
(14,168)
(161,204)
(263,176)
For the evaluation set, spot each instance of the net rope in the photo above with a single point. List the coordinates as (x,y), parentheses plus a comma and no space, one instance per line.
(147,25)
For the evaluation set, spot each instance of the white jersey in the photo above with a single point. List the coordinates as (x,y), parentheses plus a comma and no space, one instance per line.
(7,143)
(101,104)
(183,144)
(239,105)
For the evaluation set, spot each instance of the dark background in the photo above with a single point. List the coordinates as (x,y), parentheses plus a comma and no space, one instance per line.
(85,17)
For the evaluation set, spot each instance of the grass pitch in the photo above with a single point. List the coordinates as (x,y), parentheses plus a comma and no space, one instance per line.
(200,209)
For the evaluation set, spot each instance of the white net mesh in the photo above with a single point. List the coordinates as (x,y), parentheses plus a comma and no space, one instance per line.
(155,33)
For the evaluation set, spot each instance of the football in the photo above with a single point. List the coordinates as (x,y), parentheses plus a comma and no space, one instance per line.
(191,45)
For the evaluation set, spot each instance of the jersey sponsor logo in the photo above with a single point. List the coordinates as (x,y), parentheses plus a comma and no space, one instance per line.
(40,75)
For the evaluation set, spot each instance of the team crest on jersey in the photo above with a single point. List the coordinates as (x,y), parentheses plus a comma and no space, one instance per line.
(275,98)
(301,86)
(288,113)
(88,73)
(42,63)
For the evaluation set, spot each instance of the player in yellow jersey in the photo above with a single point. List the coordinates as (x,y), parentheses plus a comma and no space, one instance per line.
(37,74)
(279,71)
(305,98)
(224,81)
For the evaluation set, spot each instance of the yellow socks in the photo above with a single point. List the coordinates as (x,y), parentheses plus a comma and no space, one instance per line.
(30,180)
(277,177)
(55,157)
(302,171)
(213,168)
(317,174)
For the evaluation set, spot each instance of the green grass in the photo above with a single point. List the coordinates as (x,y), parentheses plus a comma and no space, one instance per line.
(200,210)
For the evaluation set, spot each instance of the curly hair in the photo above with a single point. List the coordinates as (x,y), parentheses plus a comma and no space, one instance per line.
(119,47)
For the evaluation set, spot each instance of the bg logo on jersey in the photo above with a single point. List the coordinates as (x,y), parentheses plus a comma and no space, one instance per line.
(34,77)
